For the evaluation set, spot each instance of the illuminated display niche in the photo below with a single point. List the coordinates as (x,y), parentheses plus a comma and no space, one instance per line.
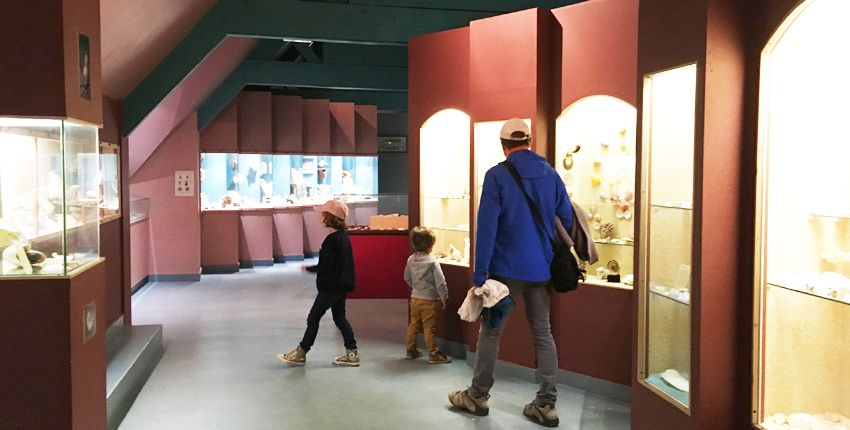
(802,328)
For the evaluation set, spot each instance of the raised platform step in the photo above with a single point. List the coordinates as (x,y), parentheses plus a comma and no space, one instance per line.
(132,354)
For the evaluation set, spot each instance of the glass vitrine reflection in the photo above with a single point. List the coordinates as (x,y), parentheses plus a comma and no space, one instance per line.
(444,183)
(595,157)
(802,274)
(666,227)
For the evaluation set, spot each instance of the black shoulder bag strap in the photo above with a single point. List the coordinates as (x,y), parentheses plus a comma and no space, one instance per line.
(535,211)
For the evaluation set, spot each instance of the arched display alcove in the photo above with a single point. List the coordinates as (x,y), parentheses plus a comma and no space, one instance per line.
(802,277)
(444,156)
(600,177)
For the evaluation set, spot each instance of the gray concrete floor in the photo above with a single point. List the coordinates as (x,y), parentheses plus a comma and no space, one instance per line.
(219,370)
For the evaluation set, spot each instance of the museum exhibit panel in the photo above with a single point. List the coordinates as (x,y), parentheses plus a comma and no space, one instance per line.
(444,190)
(802,289)
(595,157)
(666,226)
(50,194)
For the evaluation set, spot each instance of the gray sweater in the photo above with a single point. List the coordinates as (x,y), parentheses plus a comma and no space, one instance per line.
(425,277)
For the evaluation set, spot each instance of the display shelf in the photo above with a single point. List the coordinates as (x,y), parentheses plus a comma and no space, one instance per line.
(452,262)
(601,283)
(827,421)
(670,297)
(607,242)
(811,294)
(841,217)
(456,229)
(682,207)
(464,198)
(658,382)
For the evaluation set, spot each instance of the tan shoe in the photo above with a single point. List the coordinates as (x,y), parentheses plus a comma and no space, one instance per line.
(464,401)
(439,358)
(412,354)
(350,359)
(543,415)
(296,357)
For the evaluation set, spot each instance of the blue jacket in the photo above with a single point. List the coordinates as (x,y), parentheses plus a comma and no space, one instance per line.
(508,242)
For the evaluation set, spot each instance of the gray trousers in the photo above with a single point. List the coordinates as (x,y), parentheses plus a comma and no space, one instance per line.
(536,298)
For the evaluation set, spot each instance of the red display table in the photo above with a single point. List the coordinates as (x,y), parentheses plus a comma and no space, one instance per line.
(379,260)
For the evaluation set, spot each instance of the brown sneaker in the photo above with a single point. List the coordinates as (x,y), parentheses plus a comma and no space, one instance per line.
(464,401)
(296,357)
(439,358)
(412,354)
(543,415)
(350,359)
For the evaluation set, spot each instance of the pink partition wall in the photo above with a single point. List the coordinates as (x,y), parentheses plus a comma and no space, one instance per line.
(175,223)
(255,237)
(314,231)
(140,242)
(316,126)
(221,135)
(255,121)
(366,129)
(288,238)
(342,127)
(220,241)
(287,124)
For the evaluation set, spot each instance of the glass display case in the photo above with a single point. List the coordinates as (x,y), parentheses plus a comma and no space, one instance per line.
(233,181)
(444,154)
(667,183)
(595,157)
(802,277)
(140,208)
(110,182)
(49,196)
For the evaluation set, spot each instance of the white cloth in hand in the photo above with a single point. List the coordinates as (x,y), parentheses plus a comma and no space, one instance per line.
(472,306)
(492,292)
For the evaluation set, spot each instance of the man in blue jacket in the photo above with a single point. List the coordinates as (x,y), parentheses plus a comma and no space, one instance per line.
(514,249)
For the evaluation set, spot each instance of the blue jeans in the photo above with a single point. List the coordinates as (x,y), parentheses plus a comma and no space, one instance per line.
(336,303)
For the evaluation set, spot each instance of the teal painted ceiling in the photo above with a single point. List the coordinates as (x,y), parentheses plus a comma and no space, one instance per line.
(344,50)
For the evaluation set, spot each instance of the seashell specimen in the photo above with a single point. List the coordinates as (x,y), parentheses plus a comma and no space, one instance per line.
(780,418)
(613,266)
(606,230)
(674,378)
(801,420)
(454,253)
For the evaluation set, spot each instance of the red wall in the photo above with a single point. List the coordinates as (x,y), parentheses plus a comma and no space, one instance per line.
(175,222)
(222,134)
(599,50)
(287,123)
(140,265)
(111,248)
(366,129)
(254,123)
(342,127)
(316,126)
(379,262)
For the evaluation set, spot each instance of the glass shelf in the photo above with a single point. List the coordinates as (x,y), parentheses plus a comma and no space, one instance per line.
(672,206)
(457,229)
(452,262)
(658,382)
(675,299)
(809,293)
(601,283)
(604,242)
(464,198)
(835,216)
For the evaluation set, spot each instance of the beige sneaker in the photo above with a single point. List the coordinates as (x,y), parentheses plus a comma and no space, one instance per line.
(350,359)
(543,415)
(439,358)
(296,357)
(464,401)
(412,354)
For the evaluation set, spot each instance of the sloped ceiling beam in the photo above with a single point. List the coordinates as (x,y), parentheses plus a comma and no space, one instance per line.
(284,19)
(344,77)
(378,22)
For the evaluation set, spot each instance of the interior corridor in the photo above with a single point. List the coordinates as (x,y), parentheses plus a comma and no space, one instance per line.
(219,370)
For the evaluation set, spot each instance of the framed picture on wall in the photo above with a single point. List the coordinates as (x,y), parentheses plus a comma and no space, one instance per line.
(85,67)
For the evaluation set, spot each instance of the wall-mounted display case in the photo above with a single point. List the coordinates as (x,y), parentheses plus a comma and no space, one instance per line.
(49,196)
(595,157)
(444,189)
(110,181)
(802,272)
(140,209)
(234,181)
(664,348)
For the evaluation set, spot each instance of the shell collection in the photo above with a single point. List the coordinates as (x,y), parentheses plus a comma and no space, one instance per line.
(802,420)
